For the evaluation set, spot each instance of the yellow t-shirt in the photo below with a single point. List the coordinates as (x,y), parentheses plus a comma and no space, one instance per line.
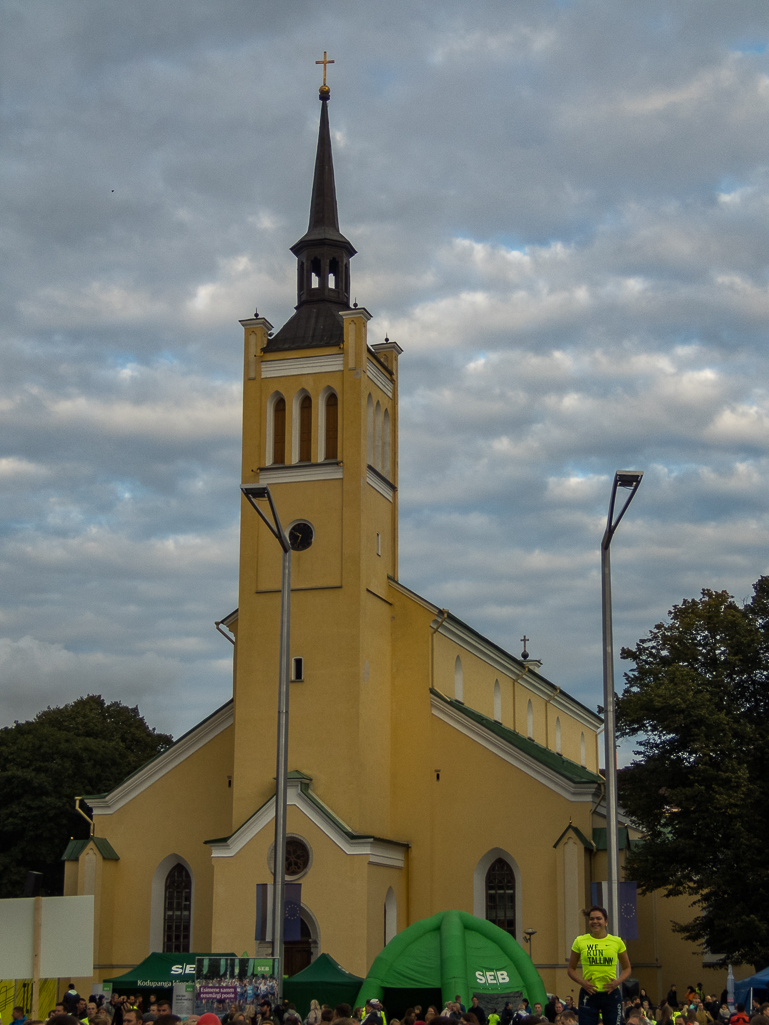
(599,958)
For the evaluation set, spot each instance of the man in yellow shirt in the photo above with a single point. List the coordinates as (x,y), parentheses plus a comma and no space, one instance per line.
(597,953)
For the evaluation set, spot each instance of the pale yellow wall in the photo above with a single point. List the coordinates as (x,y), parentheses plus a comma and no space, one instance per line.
(343,892)
(174,815)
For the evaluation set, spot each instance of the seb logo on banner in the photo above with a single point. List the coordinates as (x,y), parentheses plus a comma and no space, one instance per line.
(492,978)
(183,969)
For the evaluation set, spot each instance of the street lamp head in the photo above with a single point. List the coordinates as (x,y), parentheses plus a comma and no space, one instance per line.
(529,932)
(628,478)
(255,491)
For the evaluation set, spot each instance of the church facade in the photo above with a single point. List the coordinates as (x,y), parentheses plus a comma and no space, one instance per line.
(430,769)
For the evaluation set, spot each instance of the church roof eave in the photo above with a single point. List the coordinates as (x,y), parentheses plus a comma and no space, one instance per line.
(301,796)
(155,768)
(558,773)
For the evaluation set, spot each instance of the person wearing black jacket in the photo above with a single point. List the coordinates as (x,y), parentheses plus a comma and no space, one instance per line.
(673,997)
(507,1014)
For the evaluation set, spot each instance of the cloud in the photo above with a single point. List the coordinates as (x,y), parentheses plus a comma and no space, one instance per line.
(561,215)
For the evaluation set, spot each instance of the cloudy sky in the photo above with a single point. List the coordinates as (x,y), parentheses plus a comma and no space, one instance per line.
(561,213)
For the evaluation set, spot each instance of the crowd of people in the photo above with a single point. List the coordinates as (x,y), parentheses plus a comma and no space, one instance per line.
(694,1008)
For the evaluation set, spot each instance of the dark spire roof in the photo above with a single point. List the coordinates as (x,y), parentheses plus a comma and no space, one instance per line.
(324,217)
(323,257)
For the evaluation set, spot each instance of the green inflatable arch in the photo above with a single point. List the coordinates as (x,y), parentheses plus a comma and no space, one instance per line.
(457,953)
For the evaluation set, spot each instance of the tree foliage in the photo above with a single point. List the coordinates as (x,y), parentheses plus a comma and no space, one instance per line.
(697,702)
(86,747)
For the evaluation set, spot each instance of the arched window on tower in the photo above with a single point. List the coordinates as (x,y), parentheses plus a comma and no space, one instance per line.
(315,272)
(386,470)
(331,450)
(378,437)
(305,430)
(176,911)
(459,680)
(530,720)
(279,430)
(500,896)
(333,273)
(370,430)
(300,277)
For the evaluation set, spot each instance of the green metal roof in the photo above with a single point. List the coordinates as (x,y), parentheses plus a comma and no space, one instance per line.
(563,766)
(76,847)
(571,828)
(623,836)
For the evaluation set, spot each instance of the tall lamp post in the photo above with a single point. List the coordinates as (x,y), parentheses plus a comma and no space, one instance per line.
(255,493)
(630,480)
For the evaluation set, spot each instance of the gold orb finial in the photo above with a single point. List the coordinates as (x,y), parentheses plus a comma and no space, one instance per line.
(324,92)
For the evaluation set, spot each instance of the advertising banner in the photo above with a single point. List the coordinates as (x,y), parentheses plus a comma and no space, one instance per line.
(221,982)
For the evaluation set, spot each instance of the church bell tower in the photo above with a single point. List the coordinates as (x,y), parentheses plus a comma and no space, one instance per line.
(320,428)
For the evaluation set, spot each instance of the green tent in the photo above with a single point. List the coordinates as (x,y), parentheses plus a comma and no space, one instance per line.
(325,981)
(453,952)
(160,971)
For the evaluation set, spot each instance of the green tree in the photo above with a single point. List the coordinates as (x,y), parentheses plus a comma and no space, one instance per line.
(697,703)
(86,747)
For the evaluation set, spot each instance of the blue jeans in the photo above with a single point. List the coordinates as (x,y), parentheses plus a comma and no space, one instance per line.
(608,1005)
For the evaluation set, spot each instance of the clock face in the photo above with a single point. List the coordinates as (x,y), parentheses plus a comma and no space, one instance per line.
(300,536)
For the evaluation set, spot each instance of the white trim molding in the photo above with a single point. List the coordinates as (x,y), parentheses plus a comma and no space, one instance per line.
(378,483)
(379,852)
(303,365)
(582,792)
(150,773)
(379,377)
(300,471)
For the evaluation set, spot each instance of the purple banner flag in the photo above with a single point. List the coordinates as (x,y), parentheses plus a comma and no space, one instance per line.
(627,927)
(292,916)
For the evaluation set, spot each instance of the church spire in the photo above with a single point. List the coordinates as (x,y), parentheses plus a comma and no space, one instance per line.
(323,256)
(331,266)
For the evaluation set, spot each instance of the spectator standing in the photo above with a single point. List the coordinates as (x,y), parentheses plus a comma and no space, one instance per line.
(597,953)
(673,997)
(313,1017)
(739,1017)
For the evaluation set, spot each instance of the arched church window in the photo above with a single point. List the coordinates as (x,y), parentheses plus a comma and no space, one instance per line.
(378,436)
(176,911)
(530,720)
(558,734)
(500,895)
(305,430)
(386,445)
(279,431)
(459,680)
(333,273)
(332,427)
(497,701)
(315,272)
(370,430)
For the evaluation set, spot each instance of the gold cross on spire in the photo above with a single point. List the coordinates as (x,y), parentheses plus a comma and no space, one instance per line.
(324,62)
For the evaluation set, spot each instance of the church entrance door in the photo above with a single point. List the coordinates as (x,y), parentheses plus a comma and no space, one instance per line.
(297,954)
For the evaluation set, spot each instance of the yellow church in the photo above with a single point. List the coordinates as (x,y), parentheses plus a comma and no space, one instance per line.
(430,769)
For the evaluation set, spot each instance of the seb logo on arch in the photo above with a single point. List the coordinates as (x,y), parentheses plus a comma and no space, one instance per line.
(492,978)
(183,969)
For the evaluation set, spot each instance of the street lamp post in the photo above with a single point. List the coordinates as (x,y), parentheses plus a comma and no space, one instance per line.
(629,479)
(255,493)
(528,936)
